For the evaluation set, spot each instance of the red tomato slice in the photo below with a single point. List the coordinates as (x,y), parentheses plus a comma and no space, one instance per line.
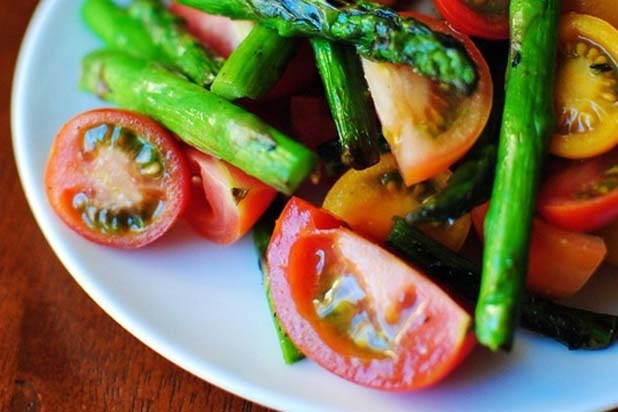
(358,310)
(117,178)
(488,19)
(582,195)
(560,262)
(225,201)
(428,125)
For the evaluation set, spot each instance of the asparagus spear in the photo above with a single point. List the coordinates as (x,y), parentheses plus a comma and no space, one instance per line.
(526,128)
(262,231)
(255,66)
(169,33)
(576,328)
(199,117)
(350,102)
(378,33)
(119,31)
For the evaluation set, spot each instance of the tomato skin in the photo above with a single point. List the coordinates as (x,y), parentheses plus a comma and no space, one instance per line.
(67,173)
(466,20)
(410,106)
(560,204)
(214,212)
(560,262)
(302,234)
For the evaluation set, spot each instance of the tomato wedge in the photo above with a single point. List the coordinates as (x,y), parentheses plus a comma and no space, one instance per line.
(358,310)
(368,199)
(586,96)
(560,262)
(581,195)
(225,201)
(488,19)
(116,177)
(428,125)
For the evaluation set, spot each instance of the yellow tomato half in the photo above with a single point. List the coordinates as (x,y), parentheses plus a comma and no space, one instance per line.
(586,97)
(367,200)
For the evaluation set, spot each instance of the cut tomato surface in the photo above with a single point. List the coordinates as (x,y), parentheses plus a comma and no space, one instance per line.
(581,195)
(225,201)
(368,199)
(428,125)
(116,177)
(488,19)
(358,310)
(586,96)
(560,262)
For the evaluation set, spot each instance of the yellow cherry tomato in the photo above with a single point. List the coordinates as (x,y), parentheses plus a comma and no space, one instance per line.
(367,200)
(586,97)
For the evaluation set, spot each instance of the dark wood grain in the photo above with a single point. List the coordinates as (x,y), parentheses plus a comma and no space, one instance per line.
(58,350)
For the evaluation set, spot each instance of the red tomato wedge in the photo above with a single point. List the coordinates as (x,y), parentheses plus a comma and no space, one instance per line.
(358,310)
(488,19)
(428,125)
(581,195)
(225,201)
(560,262)
(117,178)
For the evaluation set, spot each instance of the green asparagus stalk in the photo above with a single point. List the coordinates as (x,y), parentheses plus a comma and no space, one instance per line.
(170,34)
(576,328)
(378,33)
(527,125)
(119,31)
(349,101)
(262,231)
(255,66)
(199,117)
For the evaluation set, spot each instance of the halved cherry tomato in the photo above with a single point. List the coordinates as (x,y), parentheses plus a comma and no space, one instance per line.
(367,200)
(116,177)
(603,9)
(586,96)
(581,195)
(428,125)
(488,19)
(358,310)
(560,262)
(225,201)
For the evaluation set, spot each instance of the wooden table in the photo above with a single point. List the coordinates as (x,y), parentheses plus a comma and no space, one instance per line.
(58,350)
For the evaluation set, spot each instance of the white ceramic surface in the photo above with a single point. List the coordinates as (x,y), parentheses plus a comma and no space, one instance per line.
(202,306)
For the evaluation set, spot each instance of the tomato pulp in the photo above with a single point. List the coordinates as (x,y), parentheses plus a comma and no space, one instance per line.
(116,177)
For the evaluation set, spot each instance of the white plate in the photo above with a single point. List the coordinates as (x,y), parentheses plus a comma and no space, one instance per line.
(203,307)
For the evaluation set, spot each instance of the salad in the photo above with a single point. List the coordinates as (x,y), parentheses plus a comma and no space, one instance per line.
(120,179)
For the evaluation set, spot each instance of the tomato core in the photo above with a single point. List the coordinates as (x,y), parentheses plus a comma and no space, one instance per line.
(489,8)
(118,166)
